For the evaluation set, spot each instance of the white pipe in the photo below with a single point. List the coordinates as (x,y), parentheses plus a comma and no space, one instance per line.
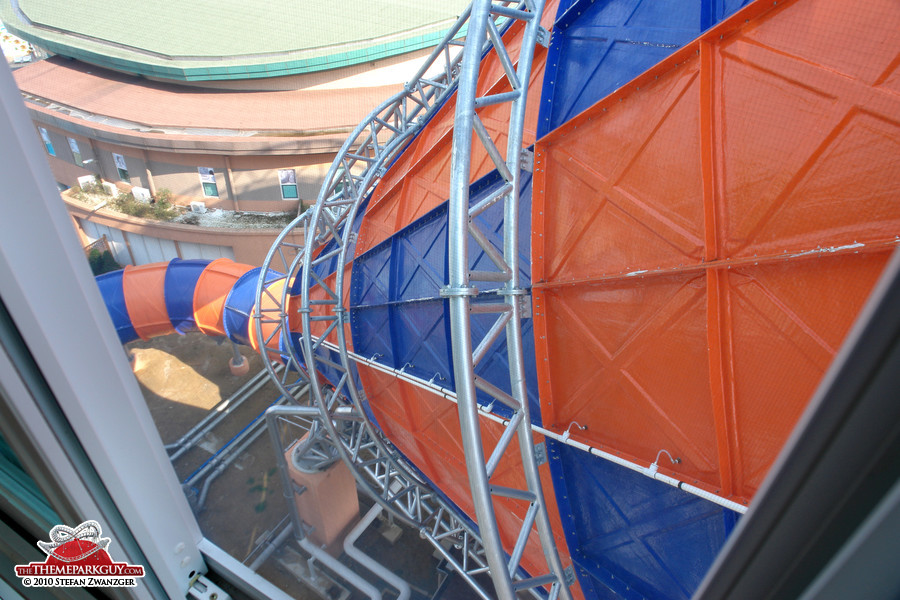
(563,438)
(271,547)
(340,568)
(369,562)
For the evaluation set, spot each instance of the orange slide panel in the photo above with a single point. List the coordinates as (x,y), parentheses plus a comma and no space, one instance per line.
(420,178)
(144,290)
(212,289)
(270,301)
(704,238)
(425,427)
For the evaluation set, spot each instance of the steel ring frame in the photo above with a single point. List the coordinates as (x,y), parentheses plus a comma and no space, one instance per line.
(459,292)
(382,474)
(376,465)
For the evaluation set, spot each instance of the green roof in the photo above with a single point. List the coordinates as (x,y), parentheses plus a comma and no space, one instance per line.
(229,39)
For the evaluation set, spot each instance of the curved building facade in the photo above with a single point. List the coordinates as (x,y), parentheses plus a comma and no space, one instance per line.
(242,112)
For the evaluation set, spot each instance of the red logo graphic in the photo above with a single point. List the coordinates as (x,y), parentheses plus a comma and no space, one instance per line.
(82,545)
(78,557)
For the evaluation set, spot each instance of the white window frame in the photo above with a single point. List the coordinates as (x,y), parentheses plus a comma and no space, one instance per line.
(288,177)
(121,167)
(126,480)
(208,176)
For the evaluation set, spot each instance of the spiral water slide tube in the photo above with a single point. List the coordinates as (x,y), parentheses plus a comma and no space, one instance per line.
(565,334)
(214,297)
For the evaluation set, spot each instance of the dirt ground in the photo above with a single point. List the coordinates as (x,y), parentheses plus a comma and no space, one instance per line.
(183,378)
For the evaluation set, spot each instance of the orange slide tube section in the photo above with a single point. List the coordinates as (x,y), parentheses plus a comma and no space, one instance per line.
(212,289)
(144,289)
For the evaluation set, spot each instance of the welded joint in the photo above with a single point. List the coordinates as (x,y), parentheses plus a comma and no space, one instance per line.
(455,292)
(523,298)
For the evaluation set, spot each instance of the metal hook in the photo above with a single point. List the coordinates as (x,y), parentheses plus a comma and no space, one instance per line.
(437,376)
(567,433)
(374,356)
(655,466)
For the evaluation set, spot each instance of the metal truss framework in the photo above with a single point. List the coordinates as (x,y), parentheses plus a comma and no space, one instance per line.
(460,292)
(361,162)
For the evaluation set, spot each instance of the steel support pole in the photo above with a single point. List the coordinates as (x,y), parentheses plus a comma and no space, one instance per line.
(458,291)
(513,294)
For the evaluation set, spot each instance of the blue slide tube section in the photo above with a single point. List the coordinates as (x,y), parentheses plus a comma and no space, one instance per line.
(110,285)
(239,304)
(398,317)
(180,283)
(181,280)
(599,46)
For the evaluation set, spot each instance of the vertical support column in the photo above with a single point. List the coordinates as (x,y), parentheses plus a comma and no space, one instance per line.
(229,183)
(150,183)
(96,156)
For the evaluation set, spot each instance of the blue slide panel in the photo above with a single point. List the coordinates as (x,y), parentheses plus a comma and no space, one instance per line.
(398,316)
(598,46)
(110,285)
(630,535)
(181,280)
(239,304)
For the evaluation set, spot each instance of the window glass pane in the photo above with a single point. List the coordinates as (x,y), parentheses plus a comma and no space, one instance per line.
(76,152)
(287,176)
(47,143)
(208,181)
(18,487)
(210,419)
(121,167)
(289,192)
(210,189)
(207,175)
(288,180)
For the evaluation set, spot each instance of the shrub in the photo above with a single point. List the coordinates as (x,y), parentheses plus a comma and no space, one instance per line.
(125,203)
(102,262)
(163,211)
(164,195)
